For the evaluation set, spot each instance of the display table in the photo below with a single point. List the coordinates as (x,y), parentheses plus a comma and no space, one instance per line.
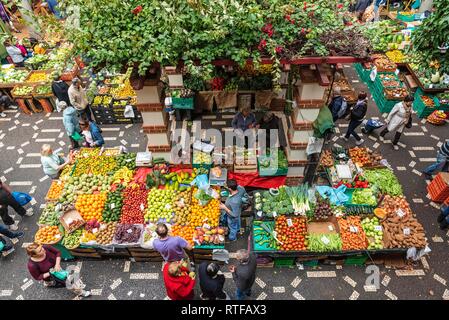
(254,180)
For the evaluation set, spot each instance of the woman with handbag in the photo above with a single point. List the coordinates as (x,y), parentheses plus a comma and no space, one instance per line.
(45,265)
(71,124)
(52,163)
(398,118)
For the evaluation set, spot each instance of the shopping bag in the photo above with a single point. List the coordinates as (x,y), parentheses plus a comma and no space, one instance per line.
(129,112)
(21,197)
(2,245)
(60,275)
(76,136)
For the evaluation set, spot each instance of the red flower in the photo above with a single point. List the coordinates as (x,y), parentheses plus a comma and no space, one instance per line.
(279,50)
(340,5)
(262,44)
(305,5)
(287,17)
(268,29)
(137,10)
(311,13)
(303,31)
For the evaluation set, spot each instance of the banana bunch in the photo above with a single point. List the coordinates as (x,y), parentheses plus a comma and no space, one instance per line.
(123,176)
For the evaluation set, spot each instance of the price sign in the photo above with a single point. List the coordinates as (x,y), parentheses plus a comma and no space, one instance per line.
(377,228)
(275,214)
(275,233)
(331,228)
(205,225)
(57,236)
(406,231)
(94,230)
(142,207)
(400,213)
(353,229)
(289,222)
(112,205)
(129,160)
(129,231)
(396,72)
(325,240)
(259,213)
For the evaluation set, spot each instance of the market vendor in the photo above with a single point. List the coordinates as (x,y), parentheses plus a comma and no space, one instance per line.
(78,99)
(70,120)
(52,164)
(92,134)
(15,53)
(338,104)
(232,208)
(270,122)
(243,121)
(171,248)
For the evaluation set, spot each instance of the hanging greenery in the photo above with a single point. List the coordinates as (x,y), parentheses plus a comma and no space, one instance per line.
(430,38)
(135,32)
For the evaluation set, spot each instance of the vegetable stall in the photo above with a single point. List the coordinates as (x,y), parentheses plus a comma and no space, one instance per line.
(360,215)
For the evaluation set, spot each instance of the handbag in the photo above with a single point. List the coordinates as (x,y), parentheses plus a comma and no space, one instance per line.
(21,197)
(60,275)
(76,136)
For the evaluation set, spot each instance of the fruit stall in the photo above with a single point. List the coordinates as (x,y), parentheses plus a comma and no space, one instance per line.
(361,216)
(104,205)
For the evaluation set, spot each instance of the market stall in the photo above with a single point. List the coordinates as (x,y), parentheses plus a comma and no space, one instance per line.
(105,205)
(360,216)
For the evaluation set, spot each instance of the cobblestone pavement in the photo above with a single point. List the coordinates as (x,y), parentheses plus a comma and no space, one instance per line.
(21,137)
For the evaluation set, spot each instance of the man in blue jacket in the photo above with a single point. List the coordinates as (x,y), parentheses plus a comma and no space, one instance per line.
(92,134)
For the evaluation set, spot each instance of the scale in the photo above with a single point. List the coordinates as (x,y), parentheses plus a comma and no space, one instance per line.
(144,159)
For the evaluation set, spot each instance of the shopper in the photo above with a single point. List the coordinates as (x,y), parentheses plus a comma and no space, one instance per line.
(338,104)
(232,208)
(92,134)
(360,8)
(378,4)
(270,123)
(5,237)
(52,163)
(244,120)
(6,199)
(14,53)
(443,217)
(179,283)
(356,115)
(60,89)
(211,283)
(442,163)
(43,261)
(78,99)
(398,118)
(71,123)
(244,273)
(5,103)
(171,248)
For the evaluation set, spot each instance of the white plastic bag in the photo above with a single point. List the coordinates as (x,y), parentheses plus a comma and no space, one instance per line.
(314,146)
(373,74)
(129,112)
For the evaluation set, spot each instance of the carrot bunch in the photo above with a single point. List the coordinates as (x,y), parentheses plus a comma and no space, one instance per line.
(352,234)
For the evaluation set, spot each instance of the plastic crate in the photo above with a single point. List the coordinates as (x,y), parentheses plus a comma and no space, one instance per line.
(284,262)
(358,260)
(270,172)
(311,263)
(406,17)
(362,72)
(355,208)
(421,109)
(183,103)
(265,236)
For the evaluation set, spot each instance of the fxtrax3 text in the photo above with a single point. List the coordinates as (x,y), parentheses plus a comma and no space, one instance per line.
(234,309)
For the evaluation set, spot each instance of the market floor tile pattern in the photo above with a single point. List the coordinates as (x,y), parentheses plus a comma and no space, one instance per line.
(21,137)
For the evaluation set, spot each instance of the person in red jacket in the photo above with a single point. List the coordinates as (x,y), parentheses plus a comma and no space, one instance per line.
(179,283)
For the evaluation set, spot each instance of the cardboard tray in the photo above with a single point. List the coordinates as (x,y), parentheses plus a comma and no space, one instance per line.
(71,215)
(323,227)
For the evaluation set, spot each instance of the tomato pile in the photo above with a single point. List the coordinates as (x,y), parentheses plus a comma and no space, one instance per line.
(134,204)
(293,237)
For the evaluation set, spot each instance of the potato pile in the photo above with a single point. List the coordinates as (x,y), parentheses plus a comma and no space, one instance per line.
(182,207)
(405,232)
(105,236)
(392,205)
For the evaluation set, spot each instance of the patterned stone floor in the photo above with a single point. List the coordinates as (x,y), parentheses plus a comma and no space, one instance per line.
(21,137)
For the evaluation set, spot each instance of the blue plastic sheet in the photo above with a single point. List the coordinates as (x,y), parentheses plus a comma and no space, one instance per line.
(336,196)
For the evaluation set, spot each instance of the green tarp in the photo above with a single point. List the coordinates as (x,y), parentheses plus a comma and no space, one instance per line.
(323,122)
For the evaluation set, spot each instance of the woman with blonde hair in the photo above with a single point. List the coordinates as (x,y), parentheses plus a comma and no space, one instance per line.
(44,262)
(179,281)
(52,163)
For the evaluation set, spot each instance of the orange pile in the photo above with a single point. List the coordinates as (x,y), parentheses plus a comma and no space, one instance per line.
(91,206)
(55,190)
(48,235)
(185,232)
(209,214)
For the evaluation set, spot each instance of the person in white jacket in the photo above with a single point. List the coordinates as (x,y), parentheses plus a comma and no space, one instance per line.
(78,99)
(397,119)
